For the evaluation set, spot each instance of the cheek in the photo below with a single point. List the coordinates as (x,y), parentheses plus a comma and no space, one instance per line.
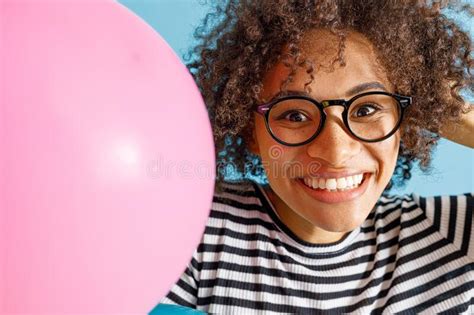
(386,154)
(394,148)
(269,150)
(275,159)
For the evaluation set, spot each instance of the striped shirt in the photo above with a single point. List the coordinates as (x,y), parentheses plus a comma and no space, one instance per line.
(412,254)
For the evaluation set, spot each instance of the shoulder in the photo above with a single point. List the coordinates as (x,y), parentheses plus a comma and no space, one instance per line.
(390,206)
(236,206)
(452,217)
(241,190)
(236,197)
(393,212)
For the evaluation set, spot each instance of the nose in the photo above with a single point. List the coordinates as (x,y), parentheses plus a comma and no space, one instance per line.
(335,145)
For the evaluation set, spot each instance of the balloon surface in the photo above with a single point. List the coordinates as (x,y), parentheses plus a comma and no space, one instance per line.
(106,160)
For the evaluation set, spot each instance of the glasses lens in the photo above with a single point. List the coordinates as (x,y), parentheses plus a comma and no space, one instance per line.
(372,117)
(294,121)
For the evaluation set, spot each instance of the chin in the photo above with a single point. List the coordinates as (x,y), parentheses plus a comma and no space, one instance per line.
(345,220)
(341,228)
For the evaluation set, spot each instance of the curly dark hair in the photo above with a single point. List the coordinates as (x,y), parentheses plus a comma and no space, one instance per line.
(425,53)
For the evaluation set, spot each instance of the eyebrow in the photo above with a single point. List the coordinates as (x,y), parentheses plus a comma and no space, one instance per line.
(366,86)
(355,90)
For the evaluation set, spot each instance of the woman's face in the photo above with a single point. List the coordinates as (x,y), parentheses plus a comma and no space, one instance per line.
(325,216)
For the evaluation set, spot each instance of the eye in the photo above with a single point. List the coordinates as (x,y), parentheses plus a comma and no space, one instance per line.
(294,116)
(365,110)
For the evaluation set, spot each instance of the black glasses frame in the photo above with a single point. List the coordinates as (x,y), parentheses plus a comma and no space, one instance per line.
(264,109)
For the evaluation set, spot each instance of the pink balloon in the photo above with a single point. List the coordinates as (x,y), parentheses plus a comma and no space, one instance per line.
(106,160)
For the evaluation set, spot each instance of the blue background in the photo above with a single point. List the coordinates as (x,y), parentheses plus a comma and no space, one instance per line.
(452,165)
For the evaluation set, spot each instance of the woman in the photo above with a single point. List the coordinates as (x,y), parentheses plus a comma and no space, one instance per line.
(332,101)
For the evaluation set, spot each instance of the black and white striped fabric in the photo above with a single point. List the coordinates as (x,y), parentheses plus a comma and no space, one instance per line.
(412,254)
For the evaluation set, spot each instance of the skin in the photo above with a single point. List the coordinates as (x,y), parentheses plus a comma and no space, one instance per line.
(335,148)
(461,132)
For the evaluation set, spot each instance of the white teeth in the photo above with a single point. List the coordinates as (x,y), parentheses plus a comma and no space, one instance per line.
(342,183)
(350,181)
(322,183)
(331,183)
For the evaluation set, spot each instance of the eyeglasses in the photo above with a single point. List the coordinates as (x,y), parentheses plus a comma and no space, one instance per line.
(295,120)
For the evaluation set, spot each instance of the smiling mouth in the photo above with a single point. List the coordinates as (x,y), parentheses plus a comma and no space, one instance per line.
(334,184)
